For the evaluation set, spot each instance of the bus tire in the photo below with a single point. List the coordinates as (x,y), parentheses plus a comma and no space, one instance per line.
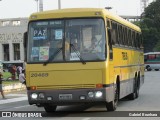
(137,86)
(50,108)
(135,93)
(111,106)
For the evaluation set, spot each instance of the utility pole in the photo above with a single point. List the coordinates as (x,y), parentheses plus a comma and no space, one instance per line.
(59,4)
(40,5)
(37,4)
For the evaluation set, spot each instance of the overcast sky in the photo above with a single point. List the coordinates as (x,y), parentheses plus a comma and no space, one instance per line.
(23,8)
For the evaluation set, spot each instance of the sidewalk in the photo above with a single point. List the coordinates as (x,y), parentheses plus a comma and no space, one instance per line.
(14,87)
(14,96)
(13,92)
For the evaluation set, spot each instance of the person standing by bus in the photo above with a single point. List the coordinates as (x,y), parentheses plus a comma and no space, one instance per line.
(19,71)
(14,69)
(22,78)
(1,90)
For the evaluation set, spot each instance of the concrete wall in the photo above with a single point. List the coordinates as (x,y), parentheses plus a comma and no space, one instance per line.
(11,31)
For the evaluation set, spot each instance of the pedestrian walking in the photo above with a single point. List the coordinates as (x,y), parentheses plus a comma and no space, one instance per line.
(22,78)
(14,69)
(19,70)
(1,90)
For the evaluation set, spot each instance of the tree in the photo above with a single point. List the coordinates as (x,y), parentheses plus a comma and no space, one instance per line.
(150,26)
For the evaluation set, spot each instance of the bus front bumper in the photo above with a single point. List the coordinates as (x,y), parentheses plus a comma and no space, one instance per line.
(65,97)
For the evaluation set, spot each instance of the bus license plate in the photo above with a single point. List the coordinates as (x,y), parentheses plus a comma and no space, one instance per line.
(65,96)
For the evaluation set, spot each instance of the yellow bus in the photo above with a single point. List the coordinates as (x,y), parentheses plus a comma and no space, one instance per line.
(82,55)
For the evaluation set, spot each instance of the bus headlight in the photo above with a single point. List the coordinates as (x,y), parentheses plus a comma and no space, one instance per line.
(90,94)
(98,94)
(34,96)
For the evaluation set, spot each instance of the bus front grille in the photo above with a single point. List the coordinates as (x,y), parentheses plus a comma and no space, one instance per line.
(62,87)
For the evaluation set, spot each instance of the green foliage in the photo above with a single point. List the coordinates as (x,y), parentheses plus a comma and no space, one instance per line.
(150,26)
(6,75)
(157,46)
(136,23)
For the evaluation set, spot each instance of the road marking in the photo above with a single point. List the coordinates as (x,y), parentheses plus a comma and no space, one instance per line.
(22,106)
(18,95)
(4,101)
(86,118)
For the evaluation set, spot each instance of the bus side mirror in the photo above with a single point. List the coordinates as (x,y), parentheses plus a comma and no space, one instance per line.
(25,42)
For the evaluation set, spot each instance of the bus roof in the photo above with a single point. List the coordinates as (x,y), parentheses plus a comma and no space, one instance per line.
(81,12)
(151,53)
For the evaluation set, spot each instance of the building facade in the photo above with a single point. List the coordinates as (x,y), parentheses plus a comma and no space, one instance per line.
(11,39)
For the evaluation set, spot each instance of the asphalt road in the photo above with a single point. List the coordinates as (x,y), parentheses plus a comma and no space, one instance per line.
(148,101)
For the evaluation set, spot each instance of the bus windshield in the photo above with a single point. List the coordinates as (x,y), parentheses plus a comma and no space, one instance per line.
(66,40)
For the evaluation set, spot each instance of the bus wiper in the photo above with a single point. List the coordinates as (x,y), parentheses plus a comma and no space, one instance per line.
(76,51)
(52,56)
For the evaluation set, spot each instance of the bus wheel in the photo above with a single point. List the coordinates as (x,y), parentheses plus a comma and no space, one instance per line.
(156,69)
(111,106)
(135,93)
(50,108)
(137,87)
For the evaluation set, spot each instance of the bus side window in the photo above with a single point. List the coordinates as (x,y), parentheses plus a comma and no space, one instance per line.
(118,32)
(145,58)
(135,44)
(114,36)
(141,41)
(125,36)
(138,40)
(121,35)
(133,39)
(151,57)
(129,38)
(158,56)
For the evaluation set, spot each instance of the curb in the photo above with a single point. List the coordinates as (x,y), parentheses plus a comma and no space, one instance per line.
(14,87)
